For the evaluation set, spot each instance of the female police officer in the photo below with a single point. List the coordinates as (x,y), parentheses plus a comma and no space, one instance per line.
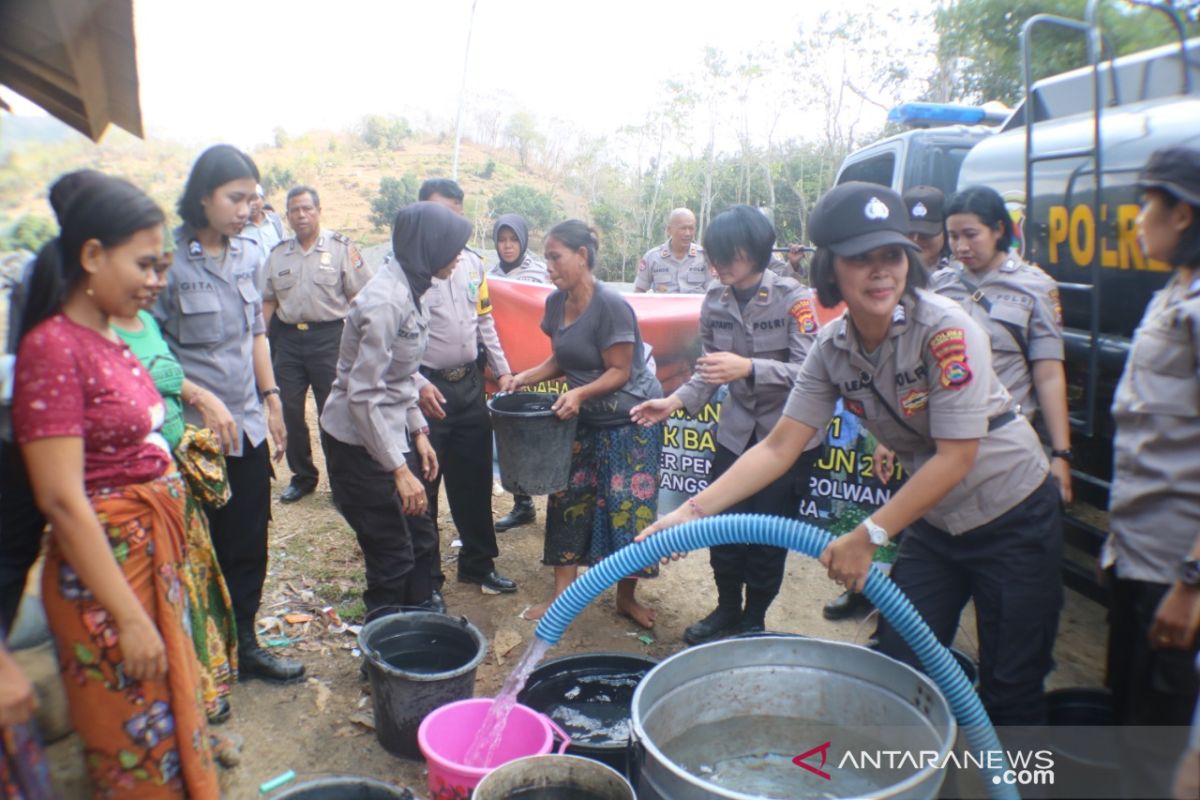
(756,328)
(982,518)
(372,412)
(1153,549)
(211,316)
(1017,305)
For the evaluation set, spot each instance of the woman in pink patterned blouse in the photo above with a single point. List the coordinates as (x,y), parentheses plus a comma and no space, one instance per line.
(88,420)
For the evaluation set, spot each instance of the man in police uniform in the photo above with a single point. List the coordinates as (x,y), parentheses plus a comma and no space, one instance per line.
(450,383)
(310,281)
(677,266)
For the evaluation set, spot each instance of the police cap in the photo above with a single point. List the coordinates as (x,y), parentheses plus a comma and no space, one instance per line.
(1174,170)
(925,209)
(855,217)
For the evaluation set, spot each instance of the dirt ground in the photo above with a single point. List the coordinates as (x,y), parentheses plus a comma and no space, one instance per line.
(320,727)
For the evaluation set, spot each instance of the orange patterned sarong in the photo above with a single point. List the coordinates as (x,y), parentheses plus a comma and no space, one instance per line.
(142,739)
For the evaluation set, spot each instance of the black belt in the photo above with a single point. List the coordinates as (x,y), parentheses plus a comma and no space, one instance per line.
(451,374)
(1001,421)
(310,326)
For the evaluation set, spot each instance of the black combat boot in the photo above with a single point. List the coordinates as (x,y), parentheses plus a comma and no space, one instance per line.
(522,513)
(846,605)
(254,662)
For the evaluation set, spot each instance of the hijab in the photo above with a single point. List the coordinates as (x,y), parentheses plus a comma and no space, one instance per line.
(426,237)
(517,224)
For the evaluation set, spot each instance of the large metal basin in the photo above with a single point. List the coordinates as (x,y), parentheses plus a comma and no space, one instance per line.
(773,698)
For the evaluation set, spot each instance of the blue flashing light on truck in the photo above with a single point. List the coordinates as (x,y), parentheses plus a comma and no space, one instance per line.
(1068,179)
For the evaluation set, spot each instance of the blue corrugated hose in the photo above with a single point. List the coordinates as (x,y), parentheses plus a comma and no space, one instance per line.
(811,541)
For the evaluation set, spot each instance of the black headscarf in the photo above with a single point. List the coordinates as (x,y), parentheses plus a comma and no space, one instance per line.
(426,237)
(521,228)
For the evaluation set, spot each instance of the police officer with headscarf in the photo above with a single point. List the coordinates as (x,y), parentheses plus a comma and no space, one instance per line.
(374,433)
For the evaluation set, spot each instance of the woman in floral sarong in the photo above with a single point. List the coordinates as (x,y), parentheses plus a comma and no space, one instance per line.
(88,420)
(214,633)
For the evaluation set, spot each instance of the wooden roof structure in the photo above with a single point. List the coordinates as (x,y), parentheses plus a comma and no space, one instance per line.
(75,58)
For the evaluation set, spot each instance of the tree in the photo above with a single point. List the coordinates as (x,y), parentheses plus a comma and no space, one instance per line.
(523,135)
(30,233)
(385,133)
(394,194)
(538,208)
(979,45)
(278,178)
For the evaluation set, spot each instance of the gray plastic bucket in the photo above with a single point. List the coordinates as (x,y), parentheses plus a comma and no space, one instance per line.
(344,787)
(533,444)
(417,661)
(558,777)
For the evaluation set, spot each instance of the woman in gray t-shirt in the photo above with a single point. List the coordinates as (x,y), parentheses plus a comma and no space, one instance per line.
(613,489)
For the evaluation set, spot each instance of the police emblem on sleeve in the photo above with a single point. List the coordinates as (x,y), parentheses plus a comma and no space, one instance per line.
(876,209)
(855,407)
(802,312)
(949,347)
(642,265)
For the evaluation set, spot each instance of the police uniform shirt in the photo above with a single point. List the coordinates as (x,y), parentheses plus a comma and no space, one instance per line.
(775,330)
(1154,505)
(529,270)
(314,286)
(460,319)
(661,271)
(1020,295)
(210,312)
(265,235)
(373,400)
(933,380)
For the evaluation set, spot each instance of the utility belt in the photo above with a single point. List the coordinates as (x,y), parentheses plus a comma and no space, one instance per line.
(1001,421)
(450,374)
(308,326)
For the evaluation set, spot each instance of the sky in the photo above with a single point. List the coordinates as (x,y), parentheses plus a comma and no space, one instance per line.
(234,70)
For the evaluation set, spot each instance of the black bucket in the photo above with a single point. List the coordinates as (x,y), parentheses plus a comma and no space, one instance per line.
(575,691)
(533,444)
(417,661)
(1086,762)
(345,787)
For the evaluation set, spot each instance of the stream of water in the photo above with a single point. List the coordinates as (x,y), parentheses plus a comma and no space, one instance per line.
(487,739)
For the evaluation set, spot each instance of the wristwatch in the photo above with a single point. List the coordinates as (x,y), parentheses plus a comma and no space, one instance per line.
(1065,455)
(268,392)
(1189,573)
(877,535)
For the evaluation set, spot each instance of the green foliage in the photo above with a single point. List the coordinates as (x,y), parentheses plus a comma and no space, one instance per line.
(281,137)
(394,194)
(489,169)
(980,43)
(30,233)
(538,208)
(385,133)
(278,178)
(523,135)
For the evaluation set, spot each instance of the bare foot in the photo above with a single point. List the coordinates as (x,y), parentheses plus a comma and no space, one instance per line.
(534,613)
(642,615)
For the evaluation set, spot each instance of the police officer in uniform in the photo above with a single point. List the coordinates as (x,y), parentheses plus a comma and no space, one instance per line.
(310,281)
(1017,305)
(450,383)
(756,329)
(375,437)
(677,266)
(1153,550)
(980,515)
(510,235)
(211,316)
(927,224)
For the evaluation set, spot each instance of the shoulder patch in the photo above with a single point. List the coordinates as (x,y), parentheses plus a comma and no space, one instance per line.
(642,265)
(354,255)
(802,312)
(949,347)
(1057,303)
